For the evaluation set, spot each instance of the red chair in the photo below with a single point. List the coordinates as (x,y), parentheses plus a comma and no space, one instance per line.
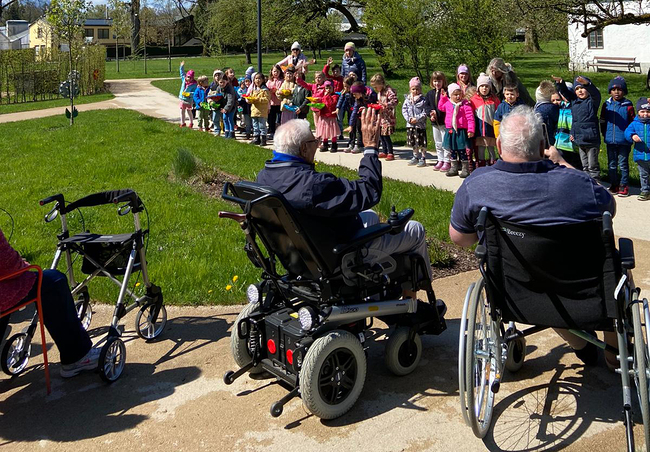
(40,314)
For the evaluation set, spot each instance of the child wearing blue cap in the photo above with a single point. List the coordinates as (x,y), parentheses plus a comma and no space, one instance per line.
(639,133)
(616,114)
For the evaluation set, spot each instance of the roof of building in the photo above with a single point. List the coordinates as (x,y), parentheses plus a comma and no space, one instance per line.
(99,22)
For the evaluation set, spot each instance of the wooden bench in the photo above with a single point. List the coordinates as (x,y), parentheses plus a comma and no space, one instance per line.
(615,63)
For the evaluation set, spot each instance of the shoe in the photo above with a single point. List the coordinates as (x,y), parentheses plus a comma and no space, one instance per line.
(438,165)
(644,196)
(248,136)
(624,191)
(422,163)
(453,169)
(445,167)
(464,172)
(341,137)
(356,150)
(588,354)
(269,136)
(88,362)
(348,150)
(390,157)
(255,140)
(613,188)
(381,155)
(216,133)
(200,129)
(182,124)
(480,163)
(414,161)
(263,141)
(335,147)
(191,125)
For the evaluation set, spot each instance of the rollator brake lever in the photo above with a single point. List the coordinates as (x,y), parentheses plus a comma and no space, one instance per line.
(124,209)
(52,214)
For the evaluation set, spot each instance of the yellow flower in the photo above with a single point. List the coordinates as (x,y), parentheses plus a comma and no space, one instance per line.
(228,287)
(210,291)
(235,278)
(137,284)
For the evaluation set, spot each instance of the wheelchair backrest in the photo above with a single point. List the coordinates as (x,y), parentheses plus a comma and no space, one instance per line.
(291,237)
(559,276)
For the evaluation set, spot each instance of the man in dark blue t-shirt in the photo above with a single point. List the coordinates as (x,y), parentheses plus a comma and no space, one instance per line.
(524,187)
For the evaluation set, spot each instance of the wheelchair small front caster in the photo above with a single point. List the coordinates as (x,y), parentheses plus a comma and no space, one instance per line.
(112,359)
(228,377)
(276,409)
(15,354)
(516,354)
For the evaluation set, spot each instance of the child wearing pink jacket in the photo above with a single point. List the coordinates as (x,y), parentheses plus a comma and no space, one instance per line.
(460,125)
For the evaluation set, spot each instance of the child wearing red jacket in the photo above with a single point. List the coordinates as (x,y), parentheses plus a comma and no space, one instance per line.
(485,104)
(460,125)
(335,77)
(328,127)
(317,90)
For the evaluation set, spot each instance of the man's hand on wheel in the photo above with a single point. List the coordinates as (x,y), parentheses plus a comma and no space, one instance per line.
(370,127)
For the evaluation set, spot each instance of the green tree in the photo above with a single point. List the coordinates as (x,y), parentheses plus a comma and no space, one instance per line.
(234,27)
(121,26)
(317,34)
(67,18)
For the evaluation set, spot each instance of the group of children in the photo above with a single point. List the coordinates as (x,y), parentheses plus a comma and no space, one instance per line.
(465,116)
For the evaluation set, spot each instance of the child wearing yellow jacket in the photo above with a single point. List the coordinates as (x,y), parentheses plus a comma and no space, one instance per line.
(259,99)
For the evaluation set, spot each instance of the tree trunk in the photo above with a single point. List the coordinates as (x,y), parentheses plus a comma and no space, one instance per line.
(531,40)
(135,27)
(380,51)
(247,51)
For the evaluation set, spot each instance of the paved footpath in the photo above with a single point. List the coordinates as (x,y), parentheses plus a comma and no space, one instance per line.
(171,395)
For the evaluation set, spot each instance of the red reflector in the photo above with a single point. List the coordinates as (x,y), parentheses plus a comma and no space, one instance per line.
(290,357)
(270,344)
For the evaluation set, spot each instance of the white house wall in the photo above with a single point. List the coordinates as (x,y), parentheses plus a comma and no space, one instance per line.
(618,41)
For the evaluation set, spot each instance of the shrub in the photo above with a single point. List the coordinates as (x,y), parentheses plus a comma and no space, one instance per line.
(185,164)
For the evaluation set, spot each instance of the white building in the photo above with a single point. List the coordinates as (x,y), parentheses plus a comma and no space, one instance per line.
(618,41)
(15,35)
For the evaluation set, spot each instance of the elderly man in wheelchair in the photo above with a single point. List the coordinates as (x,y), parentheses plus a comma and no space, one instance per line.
(547,259)
(307,324)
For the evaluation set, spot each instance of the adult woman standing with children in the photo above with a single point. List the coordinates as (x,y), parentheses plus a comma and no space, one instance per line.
(352,62)
(501,75)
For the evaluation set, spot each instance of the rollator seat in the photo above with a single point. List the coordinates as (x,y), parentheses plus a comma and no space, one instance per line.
(89,237)
(101,247)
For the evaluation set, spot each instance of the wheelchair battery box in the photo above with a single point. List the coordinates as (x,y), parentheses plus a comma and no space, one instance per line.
(283,337)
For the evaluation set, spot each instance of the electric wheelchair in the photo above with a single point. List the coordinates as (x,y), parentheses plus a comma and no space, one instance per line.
(568,276)
(307,325)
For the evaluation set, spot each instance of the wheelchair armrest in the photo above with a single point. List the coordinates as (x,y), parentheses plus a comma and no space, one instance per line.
(362,237)
(626,252)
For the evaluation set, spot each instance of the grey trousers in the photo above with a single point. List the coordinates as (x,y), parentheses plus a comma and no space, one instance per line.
(411,240)
(589,158)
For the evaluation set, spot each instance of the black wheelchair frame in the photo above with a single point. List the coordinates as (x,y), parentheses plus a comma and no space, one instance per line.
(306,327)
(487,347)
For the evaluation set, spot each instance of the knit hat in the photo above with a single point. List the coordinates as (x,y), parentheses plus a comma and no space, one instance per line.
(190,73)
(296,46)
(619,82)
(482,80)
(357,89)
(544,91)
(462,68)
(453,87)
(217,71)
(250,71)
(642,104)
(577,84)
(350,45)
(327,83)
(415,83)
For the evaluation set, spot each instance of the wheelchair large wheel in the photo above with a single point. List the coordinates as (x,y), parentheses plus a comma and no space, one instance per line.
(15,354)
(641,370)
(333,374)
(147,327)
(401,356)
(240,347)
(483,357)
(84,310)
(112,359)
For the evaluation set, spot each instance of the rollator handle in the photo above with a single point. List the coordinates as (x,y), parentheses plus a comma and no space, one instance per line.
(49,199)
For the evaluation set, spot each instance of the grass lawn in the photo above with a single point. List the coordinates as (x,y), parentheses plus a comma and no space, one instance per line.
(531,68)
(193,255)
(43,104)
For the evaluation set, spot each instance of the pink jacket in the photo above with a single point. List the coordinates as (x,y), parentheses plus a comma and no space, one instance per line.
(273,86)
(12,291)
(464,118)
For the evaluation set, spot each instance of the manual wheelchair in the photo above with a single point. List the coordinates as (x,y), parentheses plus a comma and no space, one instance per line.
(567,276)
(110,256)
(307,326)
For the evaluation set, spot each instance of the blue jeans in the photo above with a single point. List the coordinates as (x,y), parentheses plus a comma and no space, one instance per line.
(644,175)
(228,121)
(618,156)
(259,126)
(60,317)
(248,123)
(216,121)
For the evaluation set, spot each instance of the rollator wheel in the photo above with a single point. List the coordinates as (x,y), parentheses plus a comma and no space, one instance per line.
(401,357)
(516,354)
(333,374)
(482,360)
(240,347)
(15,354)
(84,310)
(640,370)
(148,328)
(112,359)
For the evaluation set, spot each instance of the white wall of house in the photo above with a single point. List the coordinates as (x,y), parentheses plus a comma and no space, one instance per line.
(618,41)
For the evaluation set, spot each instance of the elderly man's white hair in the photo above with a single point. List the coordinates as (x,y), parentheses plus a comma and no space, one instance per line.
(521,133)
(290,135)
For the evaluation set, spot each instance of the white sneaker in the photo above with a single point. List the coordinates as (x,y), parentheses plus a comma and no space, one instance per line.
(88,362)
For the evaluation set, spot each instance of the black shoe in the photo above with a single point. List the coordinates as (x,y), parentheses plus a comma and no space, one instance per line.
(264,140)
(256,140)
(589,353)
(335,147)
